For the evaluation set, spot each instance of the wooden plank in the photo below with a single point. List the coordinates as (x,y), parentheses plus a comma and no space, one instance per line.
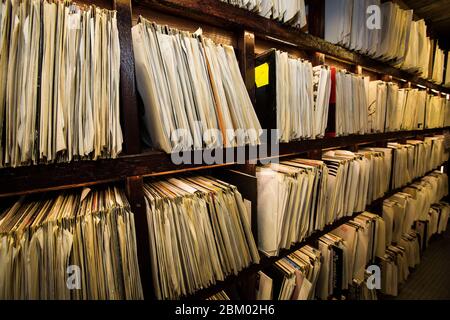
(346,141)
(315,154)
(33,179)
(246,58)
(216,13)
(215,33)
(316,21)
(128,95)
(317,59)
(135,192)
(245,173)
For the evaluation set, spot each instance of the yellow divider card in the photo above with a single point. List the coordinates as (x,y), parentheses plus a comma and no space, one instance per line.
(262,75)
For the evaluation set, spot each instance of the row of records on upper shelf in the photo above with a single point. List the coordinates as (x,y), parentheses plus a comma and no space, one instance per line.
(60,93)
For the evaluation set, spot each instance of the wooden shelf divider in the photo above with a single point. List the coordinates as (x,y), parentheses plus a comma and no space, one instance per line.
(135,193)
(129,114)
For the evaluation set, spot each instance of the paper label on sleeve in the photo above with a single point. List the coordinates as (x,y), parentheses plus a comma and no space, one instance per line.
(262,75)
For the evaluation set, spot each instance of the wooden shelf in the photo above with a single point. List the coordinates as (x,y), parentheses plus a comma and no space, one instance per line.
(32,179)
(223,15)
(346,141)
(39,178)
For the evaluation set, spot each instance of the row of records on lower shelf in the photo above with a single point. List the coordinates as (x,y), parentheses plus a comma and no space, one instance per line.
(200,227)
(344,263)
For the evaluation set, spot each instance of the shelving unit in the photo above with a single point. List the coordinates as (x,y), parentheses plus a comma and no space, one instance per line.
(136,164)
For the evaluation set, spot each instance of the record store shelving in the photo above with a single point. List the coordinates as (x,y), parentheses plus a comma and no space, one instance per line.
(244,30)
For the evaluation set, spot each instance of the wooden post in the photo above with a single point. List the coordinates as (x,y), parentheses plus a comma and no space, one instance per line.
(247,168)
(247,287)
(353,148)
(405,85)
(431,61)
(129,114)
(420,137)
(446,65)
(135,192)
(447,171)
(315,154)
(246,57)
(316,18)
(381,144)
(385,77)
(358,69)
(318,59)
